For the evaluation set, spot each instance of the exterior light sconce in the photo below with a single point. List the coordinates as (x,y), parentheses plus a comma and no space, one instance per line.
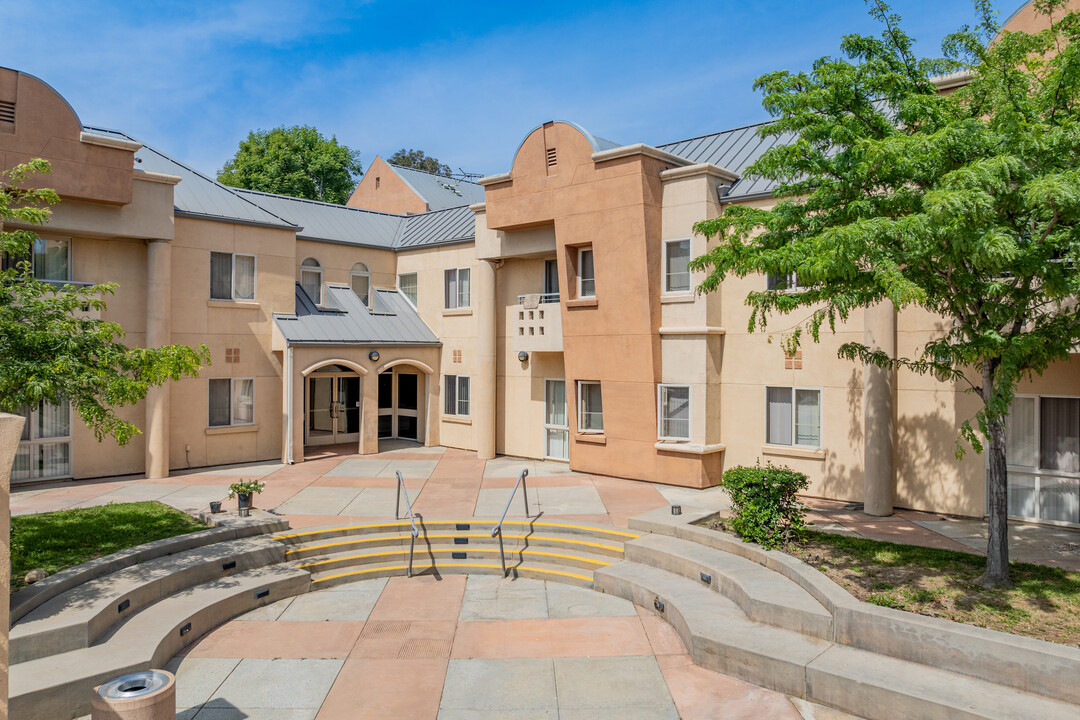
(523,356)
(373,356)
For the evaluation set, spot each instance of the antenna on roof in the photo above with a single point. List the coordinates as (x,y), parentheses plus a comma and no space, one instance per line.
(462,175)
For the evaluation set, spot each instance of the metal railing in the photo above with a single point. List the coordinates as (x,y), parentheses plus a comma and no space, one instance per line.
(497,530)
(544,298)
(412,519)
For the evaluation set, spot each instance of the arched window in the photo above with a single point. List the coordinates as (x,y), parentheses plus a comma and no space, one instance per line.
(311,279)
(361,282)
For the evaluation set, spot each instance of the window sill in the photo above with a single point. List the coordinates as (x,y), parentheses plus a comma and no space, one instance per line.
(591,438)
(795,452)
(457,419)
(239,304)
(231,429)
(582,302)
(687,448)
(457,311)
(677,298)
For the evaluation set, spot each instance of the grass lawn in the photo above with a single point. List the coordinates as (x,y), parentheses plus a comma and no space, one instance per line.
(56,540)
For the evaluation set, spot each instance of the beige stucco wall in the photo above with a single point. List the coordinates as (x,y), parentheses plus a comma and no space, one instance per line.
(337,262)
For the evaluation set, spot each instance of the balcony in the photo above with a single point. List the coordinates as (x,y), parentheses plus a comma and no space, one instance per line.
(536,323)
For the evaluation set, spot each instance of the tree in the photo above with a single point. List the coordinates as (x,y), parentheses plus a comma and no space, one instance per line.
(967,205)
(297,161)
(49,349)
(418,160)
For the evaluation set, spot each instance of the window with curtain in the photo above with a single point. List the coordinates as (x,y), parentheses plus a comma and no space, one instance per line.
(677,266)
(50,259)
(590,407)
(456,395)
(674,407)
(457,287)
(551,281)
(1059,434)
(586,279)
(311,279)
(232,276)
(360,279)
(1043,454)
(1020,433)
(787,281)
(44,450)
(407,286)
(793,416)
(232,401)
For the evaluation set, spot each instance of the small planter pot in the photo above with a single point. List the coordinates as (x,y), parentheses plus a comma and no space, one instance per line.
(243,501)
(215,506)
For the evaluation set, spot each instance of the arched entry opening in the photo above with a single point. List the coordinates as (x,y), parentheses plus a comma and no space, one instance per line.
(402,405)
(333,402)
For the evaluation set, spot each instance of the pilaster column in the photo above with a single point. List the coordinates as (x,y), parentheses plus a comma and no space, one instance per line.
(483,386)
(879,333)
(158,334)
(369,414)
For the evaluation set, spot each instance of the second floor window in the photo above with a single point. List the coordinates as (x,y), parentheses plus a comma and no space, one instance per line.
(50,259)
(677,266)
(407,285)
(457,288)
(232,276)
(788,281)
(360,279)
(586,278)
(311,279)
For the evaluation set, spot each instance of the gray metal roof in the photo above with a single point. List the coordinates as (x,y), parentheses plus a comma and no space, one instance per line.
(440,192)
(346,321)
(330,222)
(437,228)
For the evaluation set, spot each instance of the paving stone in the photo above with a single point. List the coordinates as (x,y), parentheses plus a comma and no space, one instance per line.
(490,502)
(355,604)
(567,601)
(267,613)
(248,713)
(368,586)
(409,469)
(374,502)
(490,597)
(198,678)
(319,501)
(359,468)
(608,683)
(582,500)
(455,714)
(511,684)
(246,470)
(276,684)
(196,497)
(508,468)
(135,492)
(711,498)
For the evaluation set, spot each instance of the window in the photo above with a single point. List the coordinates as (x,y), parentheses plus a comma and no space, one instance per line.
(788,281)
(232,402)
(677,266)
(232,276)
(586,280)
(457,395)
(590,407)
(49,259)
(407,285)
(45,446)
(793,416)
(457,281)
(311,279)
(1043,456)
(360,279)
(673,404)
(551,282)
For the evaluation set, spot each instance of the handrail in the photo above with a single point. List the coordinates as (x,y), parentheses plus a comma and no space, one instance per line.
(412,519)
(544,298)
(497,530)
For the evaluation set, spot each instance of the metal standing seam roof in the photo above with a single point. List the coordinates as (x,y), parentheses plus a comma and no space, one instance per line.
(437,228)
(332,223)
(347,321)
(438,191)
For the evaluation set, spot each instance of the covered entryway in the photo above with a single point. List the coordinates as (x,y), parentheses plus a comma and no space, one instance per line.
(332,406)
(399,403)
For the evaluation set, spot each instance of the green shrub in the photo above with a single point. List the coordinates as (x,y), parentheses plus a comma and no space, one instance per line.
(763,501)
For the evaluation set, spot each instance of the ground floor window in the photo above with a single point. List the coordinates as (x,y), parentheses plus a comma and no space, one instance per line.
(673,410)
(590,407)
(456,391)
(1043,457)
(793,416)
(232,401)
(45,446)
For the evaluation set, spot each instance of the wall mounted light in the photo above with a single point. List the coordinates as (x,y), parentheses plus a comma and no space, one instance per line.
(523,356)
(373,356)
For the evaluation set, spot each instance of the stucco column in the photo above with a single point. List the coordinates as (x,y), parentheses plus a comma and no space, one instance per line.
(879,333)
(10,430)
(158,334)
(483,386)
(432,411)
(369,415)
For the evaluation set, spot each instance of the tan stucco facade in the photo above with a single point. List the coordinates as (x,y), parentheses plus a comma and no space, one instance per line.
(383,190)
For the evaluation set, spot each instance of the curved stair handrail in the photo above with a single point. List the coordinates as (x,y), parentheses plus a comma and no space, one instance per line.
(497,530)
(412,518)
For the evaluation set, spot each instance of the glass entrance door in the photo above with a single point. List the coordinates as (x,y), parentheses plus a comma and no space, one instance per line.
(333,412)
(556,424)
(399,408)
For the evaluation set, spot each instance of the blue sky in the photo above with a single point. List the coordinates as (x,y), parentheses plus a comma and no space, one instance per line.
(464,81)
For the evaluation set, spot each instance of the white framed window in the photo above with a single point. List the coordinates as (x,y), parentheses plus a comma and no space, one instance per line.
(456,394)
(232,276)
(677,266)
(793,416)
(787,281)
(1043,458)
(673,412)
(586,276)
(44,451)
(407,285)
(590,407)
(360,280)
(311,279)
(457,293)
(232,401)
(50,259)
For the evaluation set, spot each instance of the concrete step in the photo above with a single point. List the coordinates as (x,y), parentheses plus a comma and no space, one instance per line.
(530,569)
(513,526)
(715,630)
(76,618)
(763,595)
(58,687)
(427,556)
(465,538)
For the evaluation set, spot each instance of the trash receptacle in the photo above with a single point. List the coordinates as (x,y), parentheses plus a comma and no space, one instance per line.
(146,695)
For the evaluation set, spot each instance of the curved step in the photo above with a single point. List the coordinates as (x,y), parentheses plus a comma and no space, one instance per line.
(763,595)
(76,618)
(426,555)
(512,540)
(538,571)
(475,525)
(59,686)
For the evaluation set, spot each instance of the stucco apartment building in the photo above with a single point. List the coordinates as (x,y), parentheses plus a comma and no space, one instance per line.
(544,312)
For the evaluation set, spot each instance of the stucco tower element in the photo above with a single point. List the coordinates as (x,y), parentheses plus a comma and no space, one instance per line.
(484,388)
(878,412)
(10,431)
(158,334)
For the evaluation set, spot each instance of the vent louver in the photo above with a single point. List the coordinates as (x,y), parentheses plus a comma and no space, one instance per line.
(552,158)
(7,111)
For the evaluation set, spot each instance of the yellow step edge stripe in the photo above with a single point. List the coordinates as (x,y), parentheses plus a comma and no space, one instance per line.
(401,523)
(457,565)
(601,563)
(357,539)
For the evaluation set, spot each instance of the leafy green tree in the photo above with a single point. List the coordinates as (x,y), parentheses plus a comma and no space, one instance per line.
(49,349)
(418,160)
(297,161)
(966,205)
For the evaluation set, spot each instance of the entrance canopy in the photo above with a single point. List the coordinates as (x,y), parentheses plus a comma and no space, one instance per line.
(345,320)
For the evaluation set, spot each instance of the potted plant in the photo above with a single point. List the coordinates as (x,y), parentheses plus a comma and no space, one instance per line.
(243,491)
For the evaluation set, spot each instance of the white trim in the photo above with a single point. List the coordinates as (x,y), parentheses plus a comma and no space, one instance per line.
(577,272)
(699,330)
(405,361)
(689,413)
(402,291)
(639,149)
(457,288)
(156,177)
(690,448)
(334,361)
(495,179)
(365,273)
(664,290)
(581,410)
(33,441)
(108,141)
(697,170)
(232,278)
(794,427)
(457,396)
(556,428)
(322,290)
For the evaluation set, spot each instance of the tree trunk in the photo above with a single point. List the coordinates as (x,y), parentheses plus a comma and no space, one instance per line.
(997,544)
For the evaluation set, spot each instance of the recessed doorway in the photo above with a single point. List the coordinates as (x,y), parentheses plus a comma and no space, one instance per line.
(399,403)
(333,407)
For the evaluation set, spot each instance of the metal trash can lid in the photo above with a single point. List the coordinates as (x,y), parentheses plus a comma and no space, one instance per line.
(134,685)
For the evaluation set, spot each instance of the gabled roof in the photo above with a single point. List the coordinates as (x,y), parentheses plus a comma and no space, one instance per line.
(438,191)
(437,228)
(346,321)
(332,223)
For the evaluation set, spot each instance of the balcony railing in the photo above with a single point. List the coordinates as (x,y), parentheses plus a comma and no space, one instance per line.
(544,298)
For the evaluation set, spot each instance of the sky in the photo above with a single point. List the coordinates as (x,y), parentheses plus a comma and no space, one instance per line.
(463,81)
